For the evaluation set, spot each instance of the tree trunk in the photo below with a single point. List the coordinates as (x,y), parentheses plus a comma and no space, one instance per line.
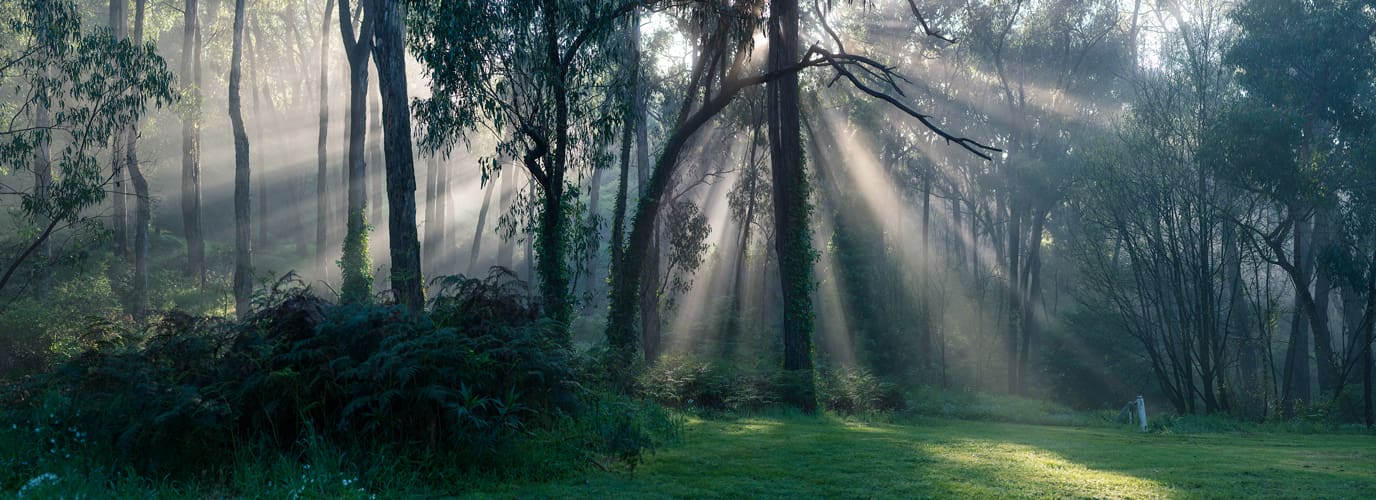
(1296,386)
(403,237)
(623,174)
(430,246)
(142,212)
(1014,294)
(256,84)
(1029,307)
(357,266)
(595,227)
(191,148)
(1326,360)
(478,231)
(649,303)
(791,208)
(1370,338)
(442,247)
(925,325)
(243,272)
(119,28)
(374,182)
(322,157)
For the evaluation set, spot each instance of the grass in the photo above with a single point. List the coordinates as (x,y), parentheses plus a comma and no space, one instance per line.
(830,457)
(787,456)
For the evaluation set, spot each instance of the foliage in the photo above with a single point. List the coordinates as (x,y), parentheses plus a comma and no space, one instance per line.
(854,390)
(683,382)
(93,85)
(713,386)
(474,377)
(356,266)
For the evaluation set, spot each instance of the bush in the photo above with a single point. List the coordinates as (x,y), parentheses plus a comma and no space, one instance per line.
(474,376)
(854,390)
(683,382)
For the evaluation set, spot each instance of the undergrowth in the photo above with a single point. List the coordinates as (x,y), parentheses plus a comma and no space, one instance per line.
(375,396)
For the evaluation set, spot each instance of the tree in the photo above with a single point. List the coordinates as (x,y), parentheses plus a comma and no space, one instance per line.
(718,76)
(93,86)
(119,27)
(792,236)
(143,212)
(389,52)
(1284,50)
(523,70)
(243,269)
(355,264)
(191,141)
(322,199)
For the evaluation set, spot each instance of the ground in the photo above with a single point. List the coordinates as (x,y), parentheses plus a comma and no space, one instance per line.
(801,457)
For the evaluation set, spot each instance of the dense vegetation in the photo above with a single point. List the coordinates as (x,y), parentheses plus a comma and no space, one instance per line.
(549,239)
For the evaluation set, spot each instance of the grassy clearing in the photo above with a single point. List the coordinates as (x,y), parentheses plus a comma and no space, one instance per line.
(787,457)
(807,457)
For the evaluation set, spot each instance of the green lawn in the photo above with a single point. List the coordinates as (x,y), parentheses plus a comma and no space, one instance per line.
(806,457)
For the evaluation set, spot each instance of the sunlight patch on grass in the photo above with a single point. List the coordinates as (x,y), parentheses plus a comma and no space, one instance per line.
(1009,466)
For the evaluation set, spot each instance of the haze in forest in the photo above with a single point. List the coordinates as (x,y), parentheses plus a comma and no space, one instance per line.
(834,206)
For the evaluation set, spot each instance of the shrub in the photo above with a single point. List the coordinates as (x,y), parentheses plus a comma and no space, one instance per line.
(854,390)
(684,382)
(476,374)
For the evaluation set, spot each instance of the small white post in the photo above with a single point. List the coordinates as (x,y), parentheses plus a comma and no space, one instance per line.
(1141,413)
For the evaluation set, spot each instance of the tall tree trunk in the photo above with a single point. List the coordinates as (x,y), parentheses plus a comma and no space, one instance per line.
(243,272)
(925,289)
(623,174)
(1326,360)
(356,265)
(119,27)
(1296,384)
(431,243)
(629,132)
(552,238)
(322,190)
(1014,310)
(478,230)
(1370,338)
(649,303)
(595,227)
(255,71)
(402,236)
(1239,325)
(191,148)
(1029,307)
(791,207)
(442,214)
(142,212)
(374,181)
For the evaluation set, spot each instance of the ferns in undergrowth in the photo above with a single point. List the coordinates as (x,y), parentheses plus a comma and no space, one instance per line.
(480,369)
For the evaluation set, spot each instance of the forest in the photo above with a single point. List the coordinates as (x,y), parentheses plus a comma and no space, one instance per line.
(687,248)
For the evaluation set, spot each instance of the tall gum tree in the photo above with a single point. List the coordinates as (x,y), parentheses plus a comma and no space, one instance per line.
(719,74)
(389,52)
(355,264)
(243,270)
